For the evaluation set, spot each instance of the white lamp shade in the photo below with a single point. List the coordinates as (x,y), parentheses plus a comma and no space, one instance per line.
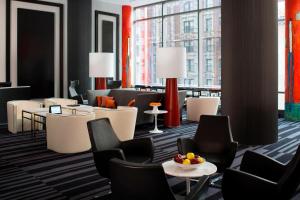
(171,62)
(101,64)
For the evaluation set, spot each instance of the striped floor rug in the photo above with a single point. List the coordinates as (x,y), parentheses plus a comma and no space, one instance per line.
(29,171)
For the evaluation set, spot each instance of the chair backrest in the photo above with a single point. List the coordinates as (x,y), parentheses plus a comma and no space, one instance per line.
(72,88)
(213,134)
(291,178)
(138,181)
(102,135)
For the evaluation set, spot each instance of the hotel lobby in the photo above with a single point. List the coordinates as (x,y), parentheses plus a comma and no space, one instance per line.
(149,99)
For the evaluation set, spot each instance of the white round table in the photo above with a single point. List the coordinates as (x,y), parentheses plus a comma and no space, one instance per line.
(155,113)
(172,169)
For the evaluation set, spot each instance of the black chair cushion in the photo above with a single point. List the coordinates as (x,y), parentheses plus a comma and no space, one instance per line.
(138,158)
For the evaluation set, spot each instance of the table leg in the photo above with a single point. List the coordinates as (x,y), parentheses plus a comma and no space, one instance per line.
(188,186)
(155,127)
(155,118)
(31,122)
(22,121)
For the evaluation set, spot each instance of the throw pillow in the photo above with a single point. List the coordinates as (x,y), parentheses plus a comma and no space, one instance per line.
(104,100)
(131,103)
(99,101)
(110,103)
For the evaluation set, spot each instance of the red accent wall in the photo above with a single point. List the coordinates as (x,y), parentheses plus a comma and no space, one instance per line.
(292,7)
(126,33)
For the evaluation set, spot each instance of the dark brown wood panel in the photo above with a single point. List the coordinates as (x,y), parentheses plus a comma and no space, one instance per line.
(250,69)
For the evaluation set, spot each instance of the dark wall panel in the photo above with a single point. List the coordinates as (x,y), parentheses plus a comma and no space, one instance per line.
(250,69)
(107,36)
(79,42)
(36,52)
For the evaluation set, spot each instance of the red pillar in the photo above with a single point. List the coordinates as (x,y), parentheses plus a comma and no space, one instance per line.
(100,83)
(292,72)
(172,118)
(292,8)
(126,35)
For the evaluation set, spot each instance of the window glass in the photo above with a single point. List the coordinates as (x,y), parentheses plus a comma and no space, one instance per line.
(209,3)
(210,48)
(182,31)
(148,11)
(281,54)
(147,39)
(174,7)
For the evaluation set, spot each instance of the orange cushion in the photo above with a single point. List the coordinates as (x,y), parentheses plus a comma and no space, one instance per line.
(110,103)
(131,102)
(99,101)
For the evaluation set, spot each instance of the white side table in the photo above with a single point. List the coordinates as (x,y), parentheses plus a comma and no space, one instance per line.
(172,169)
(155,113)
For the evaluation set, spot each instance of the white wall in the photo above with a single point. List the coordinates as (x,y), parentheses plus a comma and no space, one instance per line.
(111,8)
(2,40)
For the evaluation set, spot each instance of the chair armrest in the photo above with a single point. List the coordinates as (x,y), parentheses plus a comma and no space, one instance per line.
(102,159)
(186,145)
(239,185)
(231,152)
(199,188)
(140,146)
(110,153)
(262,166)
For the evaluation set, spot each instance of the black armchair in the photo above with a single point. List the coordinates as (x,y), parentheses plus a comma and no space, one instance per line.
(145,181)
(106,145)
(213,140)
(261,177)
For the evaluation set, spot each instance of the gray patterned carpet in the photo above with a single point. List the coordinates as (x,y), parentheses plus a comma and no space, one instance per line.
(29,171)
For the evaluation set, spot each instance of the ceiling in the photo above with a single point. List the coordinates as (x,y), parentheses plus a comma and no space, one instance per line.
(131,2)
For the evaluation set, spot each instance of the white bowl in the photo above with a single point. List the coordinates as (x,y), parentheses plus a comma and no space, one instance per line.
(187,167)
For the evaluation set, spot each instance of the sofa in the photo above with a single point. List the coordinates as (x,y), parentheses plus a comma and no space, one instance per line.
(68,133)
(142,100)
(14,114)
(10,94)
(201,106)
(122,120)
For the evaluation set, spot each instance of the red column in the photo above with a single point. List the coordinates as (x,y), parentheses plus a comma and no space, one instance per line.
(292,8)
(100,83)
(292,72)
(126,35)
(172,118)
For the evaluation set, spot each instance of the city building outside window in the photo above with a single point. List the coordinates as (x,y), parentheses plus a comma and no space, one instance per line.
(188,26)
(196,25)
(209,65)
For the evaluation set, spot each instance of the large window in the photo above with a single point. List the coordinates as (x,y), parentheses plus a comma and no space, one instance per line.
(193,24)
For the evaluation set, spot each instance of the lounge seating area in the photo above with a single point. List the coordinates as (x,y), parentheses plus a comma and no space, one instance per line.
(149,99)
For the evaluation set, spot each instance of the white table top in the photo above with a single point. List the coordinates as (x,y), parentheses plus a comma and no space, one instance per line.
(36,110)
(83,108)
(172,169)
(151,112)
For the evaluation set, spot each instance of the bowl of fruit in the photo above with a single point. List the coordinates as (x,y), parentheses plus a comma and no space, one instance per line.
(188,161)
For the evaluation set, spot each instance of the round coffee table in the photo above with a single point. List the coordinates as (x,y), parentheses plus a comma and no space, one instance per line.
(155,113)
(172,169)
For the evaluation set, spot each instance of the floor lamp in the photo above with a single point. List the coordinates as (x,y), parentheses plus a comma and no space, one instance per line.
(171,64)
(101,67)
